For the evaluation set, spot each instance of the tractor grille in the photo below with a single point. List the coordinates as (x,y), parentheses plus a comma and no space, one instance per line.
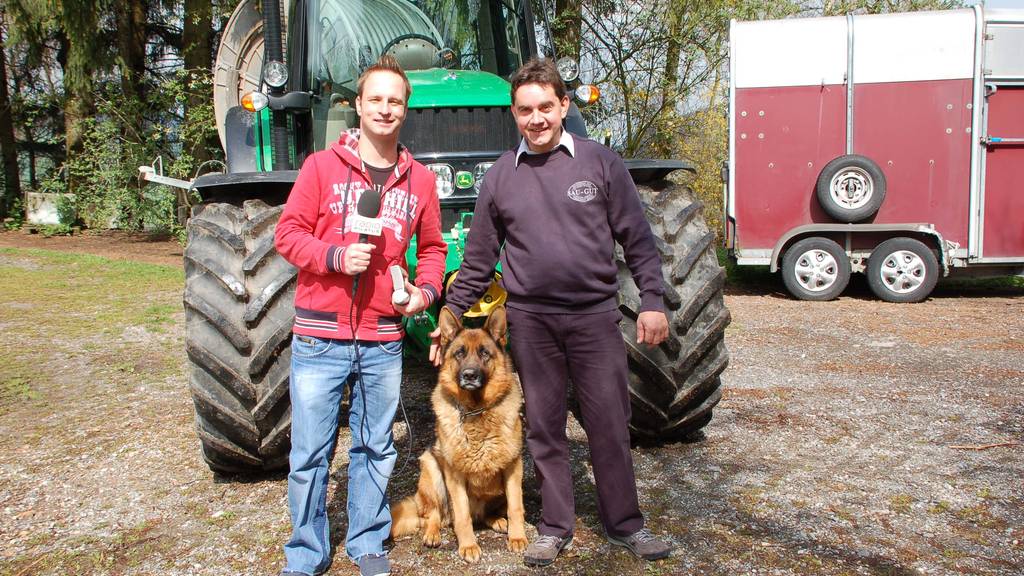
(454,130)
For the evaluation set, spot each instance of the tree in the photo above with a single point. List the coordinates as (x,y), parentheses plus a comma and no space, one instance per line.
(566,27)
(652,57)
(79,19)
(12,177)
(131,46)
(37,95)
(197,47)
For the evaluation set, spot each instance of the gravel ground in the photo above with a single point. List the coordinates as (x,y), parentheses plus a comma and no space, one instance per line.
(853,437)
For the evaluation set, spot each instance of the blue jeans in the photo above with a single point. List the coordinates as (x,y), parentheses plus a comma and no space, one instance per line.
(320,370)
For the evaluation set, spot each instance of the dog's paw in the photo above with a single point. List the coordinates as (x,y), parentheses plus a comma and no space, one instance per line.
(470,553)
(517,544)
(431,538)
(499,525)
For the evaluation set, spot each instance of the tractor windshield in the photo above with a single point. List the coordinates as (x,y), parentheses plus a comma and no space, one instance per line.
(490,36)
(486,35)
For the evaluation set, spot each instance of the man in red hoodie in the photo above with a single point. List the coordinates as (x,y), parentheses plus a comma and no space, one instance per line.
(347,331)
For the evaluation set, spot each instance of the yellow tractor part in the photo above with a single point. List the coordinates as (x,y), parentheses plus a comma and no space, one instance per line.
(495,296)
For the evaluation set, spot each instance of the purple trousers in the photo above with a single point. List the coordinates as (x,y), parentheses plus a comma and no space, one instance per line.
(549,350)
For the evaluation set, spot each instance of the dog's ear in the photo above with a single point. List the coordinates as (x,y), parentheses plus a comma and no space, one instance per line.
(449,325)
(497,324)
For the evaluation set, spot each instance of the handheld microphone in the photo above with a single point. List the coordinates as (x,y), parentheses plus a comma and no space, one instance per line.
(366,223)
(367,208)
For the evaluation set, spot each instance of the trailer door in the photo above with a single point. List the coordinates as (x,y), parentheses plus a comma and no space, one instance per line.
(1002,224)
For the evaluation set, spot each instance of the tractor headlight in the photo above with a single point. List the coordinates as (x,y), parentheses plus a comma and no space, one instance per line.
(478,174)
(275,74)
(444,177)
(568,69)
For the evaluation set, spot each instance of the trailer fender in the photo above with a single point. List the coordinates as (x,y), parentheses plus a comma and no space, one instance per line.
(849,229)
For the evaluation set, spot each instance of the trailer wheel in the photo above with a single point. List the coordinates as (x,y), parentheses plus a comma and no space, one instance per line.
(238,317)
(815,269)
(851,188)
(902,270)
(674,386)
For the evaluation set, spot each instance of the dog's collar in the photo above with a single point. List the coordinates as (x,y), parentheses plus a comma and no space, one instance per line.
(463,413)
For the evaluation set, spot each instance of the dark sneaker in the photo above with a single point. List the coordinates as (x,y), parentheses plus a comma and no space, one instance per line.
(644,545)
(545,549)
(374,565)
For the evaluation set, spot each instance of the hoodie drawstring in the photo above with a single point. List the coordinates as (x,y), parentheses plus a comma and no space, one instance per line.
(408,194)
(348,189)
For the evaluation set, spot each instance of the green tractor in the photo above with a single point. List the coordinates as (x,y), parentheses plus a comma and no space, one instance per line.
(284,88)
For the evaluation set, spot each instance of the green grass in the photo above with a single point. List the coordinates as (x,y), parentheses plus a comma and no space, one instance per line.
(157,317)
(995,283)
(901,503)
(76,295)
(15,388)
(64,317)
(745,275)
(126,549)
(18,379)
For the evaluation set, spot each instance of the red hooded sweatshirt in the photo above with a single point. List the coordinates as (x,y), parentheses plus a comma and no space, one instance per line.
(315,228)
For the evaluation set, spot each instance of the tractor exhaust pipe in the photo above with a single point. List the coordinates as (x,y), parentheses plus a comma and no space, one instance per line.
(274,52)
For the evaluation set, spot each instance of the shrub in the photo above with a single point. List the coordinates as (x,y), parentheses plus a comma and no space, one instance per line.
(125,134)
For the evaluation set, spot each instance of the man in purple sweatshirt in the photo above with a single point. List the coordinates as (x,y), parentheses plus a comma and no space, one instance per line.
(552,210)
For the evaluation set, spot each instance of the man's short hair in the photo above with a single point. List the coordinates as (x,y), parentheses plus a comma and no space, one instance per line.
(542,72)
(387,63)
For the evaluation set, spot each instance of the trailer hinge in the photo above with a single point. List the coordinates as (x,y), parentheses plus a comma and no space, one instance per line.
(951,248)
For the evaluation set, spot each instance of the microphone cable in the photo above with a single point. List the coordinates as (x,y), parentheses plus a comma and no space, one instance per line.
(352,321)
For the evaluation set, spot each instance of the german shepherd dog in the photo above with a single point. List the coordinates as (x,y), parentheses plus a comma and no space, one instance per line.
(474,470)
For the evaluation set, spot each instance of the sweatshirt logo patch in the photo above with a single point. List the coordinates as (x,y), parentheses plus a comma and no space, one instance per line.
(583,191)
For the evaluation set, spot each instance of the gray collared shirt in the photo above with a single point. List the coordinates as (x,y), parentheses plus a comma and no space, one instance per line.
(565,142)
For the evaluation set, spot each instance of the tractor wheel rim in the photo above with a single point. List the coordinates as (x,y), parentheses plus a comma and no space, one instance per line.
(816,270)
(851,188)
(903,272)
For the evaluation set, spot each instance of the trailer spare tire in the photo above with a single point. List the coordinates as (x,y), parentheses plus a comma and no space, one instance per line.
(674,386)
(851,188)
(238,318)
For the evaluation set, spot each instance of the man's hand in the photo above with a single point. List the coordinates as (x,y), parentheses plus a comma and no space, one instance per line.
(417,301)
(356,258)
(651,328)
(435,347)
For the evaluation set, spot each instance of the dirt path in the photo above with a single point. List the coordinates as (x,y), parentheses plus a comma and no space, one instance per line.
(835,450)
(114,244)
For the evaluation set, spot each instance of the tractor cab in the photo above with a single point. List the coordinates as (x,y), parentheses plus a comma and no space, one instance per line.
(457,54)
(458,57)
(286,85)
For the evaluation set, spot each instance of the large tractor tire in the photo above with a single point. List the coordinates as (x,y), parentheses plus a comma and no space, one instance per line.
(238,318)
(674,386)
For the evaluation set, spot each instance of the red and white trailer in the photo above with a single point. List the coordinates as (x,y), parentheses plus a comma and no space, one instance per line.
(891,145)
